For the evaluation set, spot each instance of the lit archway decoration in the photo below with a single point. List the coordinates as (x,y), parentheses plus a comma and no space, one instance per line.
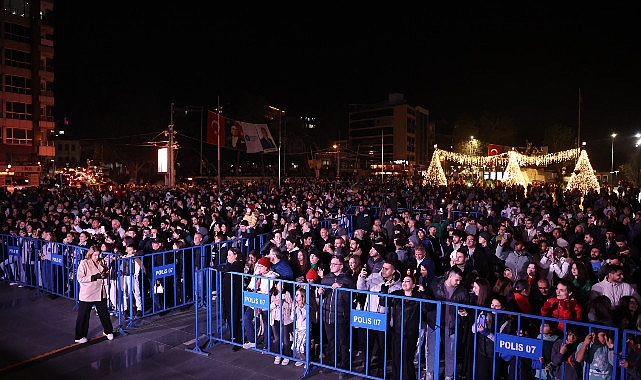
(513,161)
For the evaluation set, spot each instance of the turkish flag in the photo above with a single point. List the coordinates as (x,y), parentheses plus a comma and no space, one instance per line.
(493,150)
(214,129)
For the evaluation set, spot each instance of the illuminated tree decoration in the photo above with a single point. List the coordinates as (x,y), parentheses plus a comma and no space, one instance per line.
(435,175)
(512,161)
(513,175)
(583,178)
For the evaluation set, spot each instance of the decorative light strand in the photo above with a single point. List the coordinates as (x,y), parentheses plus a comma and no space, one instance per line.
(503,158)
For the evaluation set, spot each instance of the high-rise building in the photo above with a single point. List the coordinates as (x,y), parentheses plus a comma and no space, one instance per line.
(26,95)
(391,131)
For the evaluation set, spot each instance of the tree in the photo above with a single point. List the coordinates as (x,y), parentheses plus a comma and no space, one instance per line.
(498,129)
(559,137)
(487,128)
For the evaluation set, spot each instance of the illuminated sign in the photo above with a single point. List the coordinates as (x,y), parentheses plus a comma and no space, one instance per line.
(163,162)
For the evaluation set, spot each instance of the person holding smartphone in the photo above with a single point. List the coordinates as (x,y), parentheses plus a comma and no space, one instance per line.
(92,276)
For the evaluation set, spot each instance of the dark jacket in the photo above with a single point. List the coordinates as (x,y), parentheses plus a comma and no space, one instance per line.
(232,287)
(406,314)
(337,302)
(364,220)
(480,261)
(565,365)
(437,292)
(485,338)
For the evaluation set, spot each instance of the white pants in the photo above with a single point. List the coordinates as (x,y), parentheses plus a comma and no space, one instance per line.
(130,284)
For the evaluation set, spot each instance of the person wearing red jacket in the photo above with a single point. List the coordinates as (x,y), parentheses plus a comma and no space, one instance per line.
(563,306)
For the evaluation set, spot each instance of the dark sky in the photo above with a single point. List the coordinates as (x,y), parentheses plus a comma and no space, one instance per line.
(118,69)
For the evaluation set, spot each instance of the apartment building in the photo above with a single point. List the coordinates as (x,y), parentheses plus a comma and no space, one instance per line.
(391,131)
(26,95)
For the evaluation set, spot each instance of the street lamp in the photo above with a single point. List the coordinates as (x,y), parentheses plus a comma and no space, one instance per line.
(280,139)
(612,164)
(612,152)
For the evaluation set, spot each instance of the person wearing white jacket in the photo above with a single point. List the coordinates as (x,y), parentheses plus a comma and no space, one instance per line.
(252,317)
(386,281)
(556,264)
(92,275)
(613,286)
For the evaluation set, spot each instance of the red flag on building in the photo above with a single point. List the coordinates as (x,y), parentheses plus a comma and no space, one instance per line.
(214,129)
(493,150)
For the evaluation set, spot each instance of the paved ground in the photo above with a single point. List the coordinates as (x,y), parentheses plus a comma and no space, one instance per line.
(36,342)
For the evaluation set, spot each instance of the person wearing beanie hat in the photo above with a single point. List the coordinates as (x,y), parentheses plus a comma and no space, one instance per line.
(485,236)
(376,258)
(264,261)
(311,276)
(258,285)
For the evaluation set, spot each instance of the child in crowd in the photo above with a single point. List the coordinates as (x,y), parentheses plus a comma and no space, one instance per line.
(548,335)
(563,364)
(314,313)
(300,329)
(596,352)
(280,318)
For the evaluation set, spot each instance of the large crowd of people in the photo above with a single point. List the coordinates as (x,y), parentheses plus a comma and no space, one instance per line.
(541,251)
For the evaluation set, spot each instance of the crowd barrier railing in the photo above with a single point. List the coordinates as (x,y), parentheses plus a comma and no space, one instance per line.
(136,287)
(631,342)
(393,336)
(441,337)
(238,315)
(46,266)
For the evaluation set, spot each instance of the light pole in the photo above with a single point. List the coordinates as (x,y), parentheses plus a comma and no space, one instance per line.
(280,139)
(612,152)
(201,109)
(170,150)
(219,109)
(338,159)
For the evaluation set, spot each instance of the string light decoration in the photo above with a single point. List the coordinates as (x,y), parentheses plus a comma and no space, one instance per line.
(435,176)
(77,177)
(583,178)
(512,160)
(503,158)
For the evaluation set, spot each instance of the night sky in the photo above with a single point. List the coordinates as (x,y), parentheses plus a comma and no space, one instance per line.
(119,68)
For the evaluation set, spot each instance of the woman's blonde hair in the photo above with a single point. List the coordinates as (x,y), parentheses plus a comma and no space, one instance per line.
(90,251)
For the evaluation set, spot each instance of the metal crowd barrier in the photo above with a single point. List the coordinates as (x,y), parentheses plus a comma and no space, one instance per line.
(137,287)
(403,341)
(47,267)
(313,343)
(372,339)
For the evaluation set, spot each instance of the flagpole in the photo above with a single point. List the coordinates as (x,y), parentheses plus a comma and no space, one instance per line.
(218,134)
(382,157)
(578,134)
(280,141)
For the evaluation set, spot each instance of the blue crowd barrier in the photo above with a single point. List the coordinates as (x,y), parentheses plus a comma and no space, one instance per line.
(381,344)
(137,287)
(45,266)
(187,278)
